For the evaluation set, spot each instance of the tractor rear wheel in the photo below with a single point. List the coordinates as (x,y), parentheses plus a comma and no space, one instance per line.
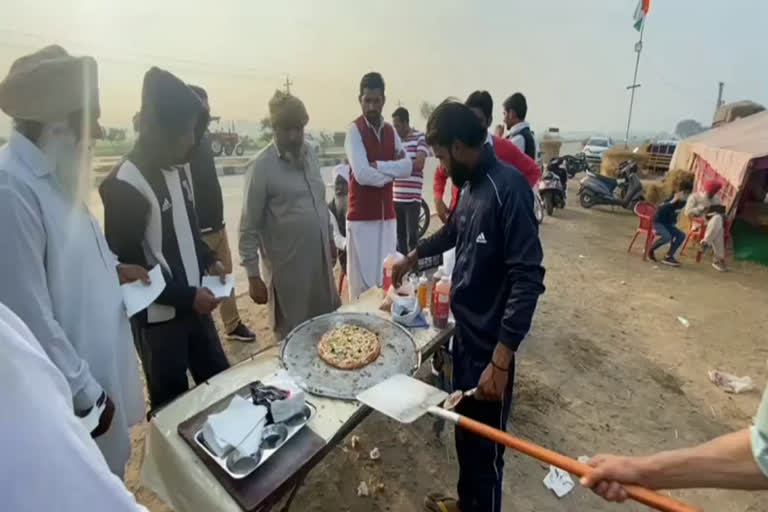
(216,147)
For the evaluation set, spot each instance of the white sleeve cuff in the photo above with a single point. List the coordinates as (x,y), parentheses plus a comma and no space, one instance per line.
(86,397)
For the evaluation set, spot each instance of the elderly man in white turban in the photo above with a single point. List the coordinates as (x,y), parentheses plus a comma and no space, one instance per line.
(56,270)
(285,233)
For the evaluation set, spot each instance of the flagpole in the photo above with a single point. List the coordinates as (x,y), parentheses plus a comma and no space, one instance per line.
(635,85)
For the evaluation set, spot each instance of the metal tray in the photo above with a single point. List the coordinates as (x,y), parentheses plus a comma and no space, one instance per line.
(298,355)
(265,454)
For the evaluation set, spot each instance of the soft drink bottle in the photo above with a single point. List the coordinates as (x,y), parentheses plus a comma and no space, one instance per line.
(442,310)
(389,262)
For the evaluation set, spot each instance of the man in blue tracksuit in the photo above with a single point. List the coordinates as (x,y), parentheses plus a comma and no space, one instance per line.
(495,286)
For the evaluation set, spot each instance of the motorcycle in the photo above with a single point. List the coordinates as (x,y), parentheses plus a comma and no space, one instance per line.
(626,190)
(575,164)
(553,185)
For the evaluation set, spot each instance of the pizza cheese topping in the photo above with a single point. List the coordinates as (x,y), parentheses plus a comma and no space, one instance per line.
(349,347)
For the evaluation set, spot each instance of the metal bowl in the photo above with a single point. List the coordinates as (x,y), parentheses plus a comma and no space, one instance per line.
(299,357)
(273,436)
(243,465)
(298,419)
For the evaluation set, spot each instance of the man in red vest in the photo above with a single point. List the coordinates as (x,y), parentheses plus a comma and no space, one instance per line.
(376,157)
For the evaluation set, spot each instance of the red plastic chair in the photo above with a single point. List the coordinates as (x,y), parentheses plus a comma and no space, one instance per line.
(697,231)
(645,211)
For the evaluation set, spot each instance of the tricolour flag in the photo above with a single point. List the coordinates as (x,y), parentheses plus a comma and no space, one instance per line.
(641,11)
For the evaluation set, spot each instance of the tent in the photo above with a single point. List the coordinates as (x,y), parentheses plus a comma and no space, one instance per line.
(731,150)
(736,154)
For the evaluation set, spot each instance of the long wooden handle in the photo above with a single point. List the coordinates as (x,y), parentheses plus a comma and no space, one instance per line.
(637,493)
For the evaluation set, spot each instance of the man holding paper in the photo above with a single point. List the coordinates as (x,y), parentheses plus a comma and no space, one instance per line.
(149,219)
(56,271)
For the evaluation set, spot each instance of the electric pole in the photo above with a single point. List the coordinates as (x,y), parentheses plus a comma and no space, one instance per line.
(287,84)
(720,86)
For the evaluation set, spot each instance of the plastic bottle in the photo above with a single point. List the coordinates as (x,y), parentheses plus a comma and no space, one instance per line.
(422,291)
(442,309)
(433,299)
(389,262)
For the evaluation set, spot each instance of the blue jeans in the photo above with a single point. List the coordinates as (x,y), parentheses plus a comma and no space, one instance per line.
(668,234)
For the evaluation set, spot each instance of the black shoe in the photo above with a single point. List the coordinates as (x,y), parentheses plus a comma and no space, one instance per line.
(241,333)
(652,257)
(671,261)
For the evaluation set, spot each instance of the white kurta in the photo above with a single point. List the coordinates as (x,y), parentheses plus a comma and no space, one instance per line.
(714,234)
(51,461)
(58,274)
(370,241)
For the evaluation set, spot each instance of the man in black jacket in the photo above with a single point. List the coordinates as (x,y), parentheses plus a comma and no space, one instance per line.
(149,219)
(209,207)
(495,286)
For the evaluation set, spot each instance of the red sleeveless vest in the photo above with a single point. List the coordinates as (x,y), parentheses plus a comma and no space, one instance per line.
(372,203)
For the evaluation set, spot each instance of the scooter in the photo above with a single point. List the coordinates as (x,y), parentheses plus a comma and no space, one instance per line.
(553,186)
(626,190)
(538,204)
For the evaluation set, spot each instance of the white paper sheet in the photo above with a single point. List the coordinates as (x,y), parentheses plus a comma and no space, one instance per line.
(558,481)
(138,296)
(218,289)
(238,426)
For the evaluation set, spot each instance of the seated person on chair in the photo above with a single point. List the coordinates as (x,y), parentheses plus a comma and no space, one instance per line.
(706,206)
(665,224)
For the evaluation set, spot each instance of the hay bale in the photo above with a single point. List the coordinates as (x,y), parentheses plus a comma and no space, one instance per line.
(550,148)
(673,180)
(615,155)
(654,192)
(658,191)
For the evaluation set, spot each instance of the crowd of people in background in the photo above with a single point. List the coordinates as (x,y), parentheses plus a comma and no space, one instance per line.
(68,365)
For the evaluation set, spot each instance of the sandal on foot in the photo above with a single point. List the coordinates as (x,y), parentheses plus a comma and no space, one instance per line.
(438,502)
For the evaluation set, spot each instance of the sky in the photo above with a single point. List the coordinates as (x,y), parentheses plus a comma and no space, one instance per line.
(572,59)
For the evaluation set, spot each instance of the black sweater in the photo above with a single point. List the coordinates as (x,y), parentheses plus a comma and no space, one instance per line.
(208,201)
(498,275)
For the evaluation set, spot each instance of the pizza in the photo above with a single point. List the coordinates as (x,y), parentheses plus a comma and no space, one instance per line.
(349,347)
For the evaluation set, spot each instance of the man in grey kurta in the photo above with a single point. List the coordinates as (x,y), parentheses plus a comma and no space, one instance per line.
(285,233)
(56,270)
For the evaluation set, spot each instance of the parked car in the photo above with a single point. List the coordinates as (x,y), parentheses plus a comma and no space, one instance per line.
(594,149)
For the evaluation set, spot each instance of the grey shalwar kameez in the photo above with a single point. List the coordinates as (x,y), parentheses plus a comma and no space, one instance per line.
(285,225)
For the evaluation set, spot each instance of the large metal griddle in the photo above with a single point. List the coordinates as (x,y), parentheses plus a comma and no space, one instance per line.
(299,357)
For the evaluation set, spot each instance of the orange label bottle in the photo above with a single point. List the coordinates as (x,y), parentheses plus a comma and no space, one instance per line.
(443,307)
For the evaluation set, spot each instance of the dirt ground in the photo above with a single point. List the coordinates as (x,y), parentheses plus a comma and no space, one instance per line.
(607,367)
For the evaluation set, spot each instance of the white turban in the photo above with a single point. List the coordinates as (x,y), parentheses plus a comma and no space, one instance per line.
(341,170)
(49,85)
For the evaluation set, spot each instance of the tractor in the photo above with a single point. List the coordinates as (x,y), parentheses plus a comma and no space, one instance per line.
(224,139)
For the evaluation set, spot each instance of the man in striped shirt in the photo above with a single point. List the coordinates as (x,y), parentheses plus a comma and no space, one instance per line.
(407,191)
